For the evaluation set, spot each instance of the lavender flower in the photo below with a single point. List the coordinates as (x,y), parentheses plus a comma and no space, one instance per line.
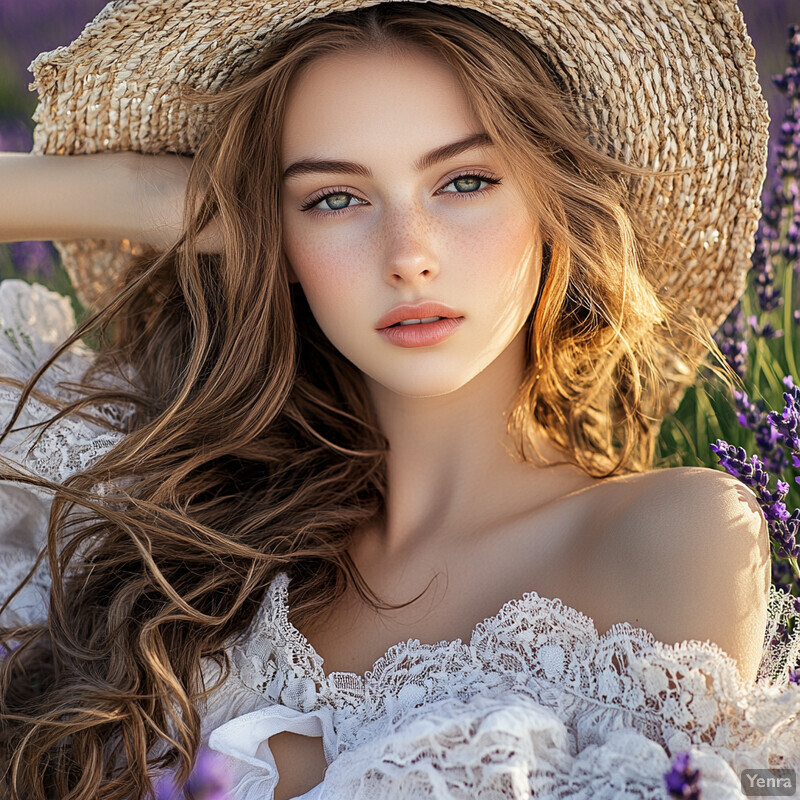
(33,259)
(787,157)
(208,781)
(787,422)
(730,340)
(775,431)
(778,234)
(769,296)
(753,416)
(682,781)
(779,229)
(783,525)
(765,331)
(791,197)
(794,676)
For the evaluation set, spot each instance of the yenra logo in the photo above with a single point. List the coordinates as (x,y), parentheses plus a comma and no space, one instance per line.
(769,782)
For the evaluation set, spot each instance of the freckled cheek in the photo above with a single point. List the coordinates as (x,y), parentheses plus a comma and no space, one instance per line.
(499,252)
(329,274)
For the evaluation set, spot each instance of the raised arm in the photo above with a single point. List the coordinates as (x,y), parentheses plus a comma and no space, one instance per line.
(120,195)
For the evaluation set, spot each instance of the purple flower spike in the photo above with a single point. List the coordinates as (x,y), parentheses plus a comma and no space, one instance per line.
(762,271)
(777,511)
(753,416)
(794,676)
(787,422)
(783,525)
(783,203)
(765,331)
(682,781)
(208,781)
(730,340)
(33,259)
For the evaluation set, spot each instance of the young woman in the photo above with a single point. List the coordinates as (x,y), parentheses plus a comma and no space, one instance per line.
(280,503)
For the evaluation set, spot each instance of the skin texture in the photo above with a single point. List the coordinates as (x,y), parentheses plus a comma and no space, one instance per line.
(682,553)
(405,236)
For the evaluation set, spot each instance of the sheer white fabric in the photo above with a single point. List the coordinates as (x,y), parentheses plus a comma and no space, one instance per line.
(33,321)
(536,702)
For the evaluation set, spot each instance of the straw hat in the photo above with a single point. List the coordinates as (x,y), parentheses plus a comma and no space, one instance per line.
(672,83)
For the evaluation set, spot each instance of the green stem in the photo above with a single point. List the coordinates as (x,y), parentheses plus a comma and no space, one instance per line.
(706,418)
(766,369)
(689,441)
(754,359)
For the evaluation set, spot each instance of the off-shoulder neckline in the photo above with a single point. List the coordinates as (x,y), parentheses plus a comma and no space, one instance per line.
(583,626)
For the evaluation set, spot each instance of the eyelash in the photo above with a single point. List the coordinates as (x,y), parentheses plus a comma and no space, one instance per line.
(309,206)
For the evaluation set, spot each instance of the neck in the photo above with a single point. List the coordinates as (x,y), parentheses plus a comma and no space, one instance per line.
(451,464)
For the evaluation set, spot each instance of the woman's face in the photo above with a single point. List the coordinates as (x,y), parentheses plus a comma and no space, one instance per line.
(395,227)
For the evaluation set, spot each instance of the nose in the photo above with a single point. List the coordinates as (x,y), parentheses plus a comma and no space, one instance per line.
(410,248)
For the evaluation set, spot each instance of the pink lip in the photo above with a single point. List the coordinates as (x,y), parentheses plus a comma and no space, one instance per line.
(423,334)
(416,311)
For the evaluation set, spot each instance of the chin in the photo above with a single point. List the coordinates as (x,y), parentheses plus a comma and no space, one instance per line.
(421,385)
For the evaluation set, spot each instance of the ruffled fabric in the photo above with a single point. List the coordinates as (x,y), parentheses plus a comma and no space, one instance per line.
(506,746)
(243,742)
(537,703)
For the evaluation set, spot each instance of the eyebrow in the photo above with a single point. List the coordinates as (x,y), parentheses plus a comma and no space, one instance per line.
(443,153)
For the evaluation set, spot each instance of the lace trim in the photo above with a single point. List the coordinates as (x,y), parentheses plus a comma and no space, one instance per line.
(33,321)
(512,747)
(547,650)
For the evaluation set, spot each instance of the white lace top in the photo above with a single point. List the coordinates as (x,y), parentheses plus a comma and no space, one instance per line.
(537,703)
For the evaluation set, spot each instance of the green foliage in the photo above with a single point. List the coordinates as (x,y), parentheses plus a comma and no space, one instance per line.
(708,412)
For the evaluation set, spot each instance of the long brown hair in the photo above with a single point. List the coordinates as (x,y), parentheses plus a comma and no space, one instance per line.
(253,446)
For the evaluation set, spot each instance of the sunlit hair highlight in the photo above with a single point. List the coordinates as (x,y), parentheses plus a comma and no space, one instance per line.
(252,445)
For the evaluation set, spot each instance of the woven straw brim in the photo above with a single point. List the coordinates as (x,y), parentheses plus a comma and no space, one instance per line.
(672,83)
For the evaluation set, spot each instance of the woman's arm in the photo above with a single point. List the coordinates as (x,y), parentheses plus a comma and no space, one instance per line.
(120,195)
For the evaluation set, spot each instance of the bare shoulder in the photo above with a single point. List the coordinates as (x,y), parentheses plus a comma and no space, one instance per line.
(691,551)
(683,500)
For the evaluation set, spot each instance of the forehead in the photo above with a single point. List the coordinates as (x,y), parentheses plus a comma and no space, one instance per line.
(400,101)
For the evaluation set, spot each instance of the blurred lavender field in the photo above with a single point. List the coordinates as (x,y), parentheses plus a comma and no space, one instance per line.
(768,23)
